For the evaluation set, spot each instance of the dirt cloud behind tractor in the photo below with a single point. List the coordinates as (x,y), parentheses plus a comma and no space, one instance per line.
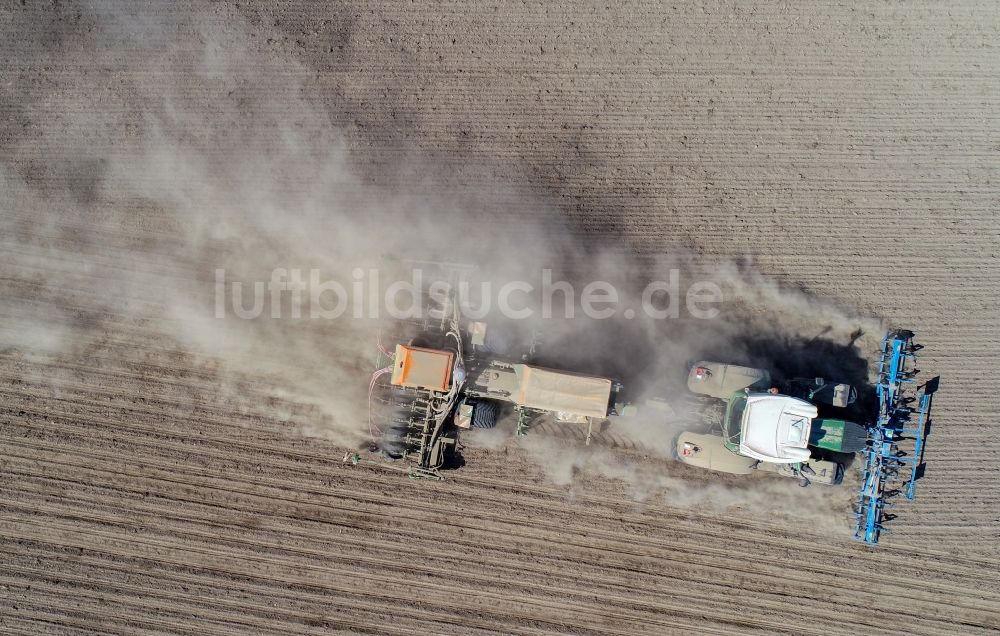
(133,221)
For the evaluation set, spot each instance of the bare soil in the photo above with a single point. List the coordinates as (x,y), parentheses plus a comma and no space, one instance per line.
(850,153)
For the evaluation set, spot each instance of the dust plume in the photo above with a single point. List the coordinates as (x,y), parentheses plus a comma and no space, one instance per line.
(124,193)
(124,207)
(649,479)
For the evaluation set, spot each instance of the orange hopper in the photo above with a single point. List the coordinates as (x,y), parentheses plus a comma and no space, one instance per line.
(421,368)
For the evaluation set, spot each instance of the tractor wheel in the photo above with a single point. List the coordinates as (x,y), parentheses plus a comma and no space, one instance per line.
(484,414)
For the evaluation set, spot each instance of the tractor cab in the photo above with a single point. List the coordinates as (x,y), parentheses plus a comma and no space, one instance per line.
(767,427)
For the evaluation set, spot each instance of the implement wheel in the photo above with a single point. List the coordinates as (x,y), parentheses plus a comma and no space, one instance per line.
(484,414)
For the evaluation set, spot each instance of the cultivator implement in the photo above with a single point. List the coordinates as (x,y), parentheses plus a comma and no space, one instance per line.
(893,459)
(406,421)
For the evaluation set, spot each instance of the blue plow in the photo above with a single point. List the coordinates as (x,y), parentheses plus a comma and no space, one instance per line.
(894,456)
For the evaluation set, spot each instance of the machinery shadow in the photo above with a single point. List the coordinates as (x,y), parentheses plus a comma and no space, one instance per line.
(789,357)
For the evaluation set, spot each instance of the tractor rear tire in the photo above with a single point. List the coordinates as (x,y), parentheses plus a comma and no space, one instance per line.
(484,414)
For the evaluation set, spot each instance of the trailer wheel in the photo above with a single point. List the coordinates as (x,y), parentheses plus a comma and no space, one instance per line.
(484,414)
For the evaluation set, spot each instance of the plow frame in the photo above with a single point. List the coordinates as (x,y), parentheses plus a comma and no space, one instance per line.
(892,465)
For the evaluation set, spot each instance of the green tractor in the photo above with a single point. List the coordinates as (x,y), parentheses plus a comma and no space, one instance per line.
(767,428)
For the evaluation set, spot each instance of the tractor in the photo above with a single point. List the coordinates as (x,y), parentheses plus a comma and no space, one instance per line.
(792,430)
(771,428)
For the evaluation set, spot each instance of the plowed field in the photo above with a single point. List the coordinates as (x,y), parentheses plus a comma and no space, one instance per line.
(149,485)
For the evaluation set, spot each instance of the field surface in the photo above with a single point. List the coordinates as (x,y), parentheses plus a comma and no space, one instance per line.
(852,154)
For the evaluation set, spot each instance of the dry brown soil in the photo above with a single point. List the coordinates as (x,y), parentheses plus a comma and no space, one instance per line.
(852,152)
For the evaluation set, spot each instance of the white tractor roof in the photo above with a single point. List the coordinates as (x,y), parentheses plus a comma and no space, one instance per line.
(776,428)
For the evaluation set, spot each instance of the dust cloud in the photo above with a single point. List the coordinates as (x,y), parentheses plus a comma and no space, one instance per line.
(129,195)
(204,160)
(652,483)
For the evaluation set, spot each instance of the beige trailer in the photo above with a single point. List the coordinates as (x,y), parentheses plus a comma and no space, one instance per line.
(531,389)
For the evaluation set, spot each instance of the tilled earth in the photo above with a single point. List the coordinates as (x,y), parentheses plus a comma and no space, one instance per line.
(851,153)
